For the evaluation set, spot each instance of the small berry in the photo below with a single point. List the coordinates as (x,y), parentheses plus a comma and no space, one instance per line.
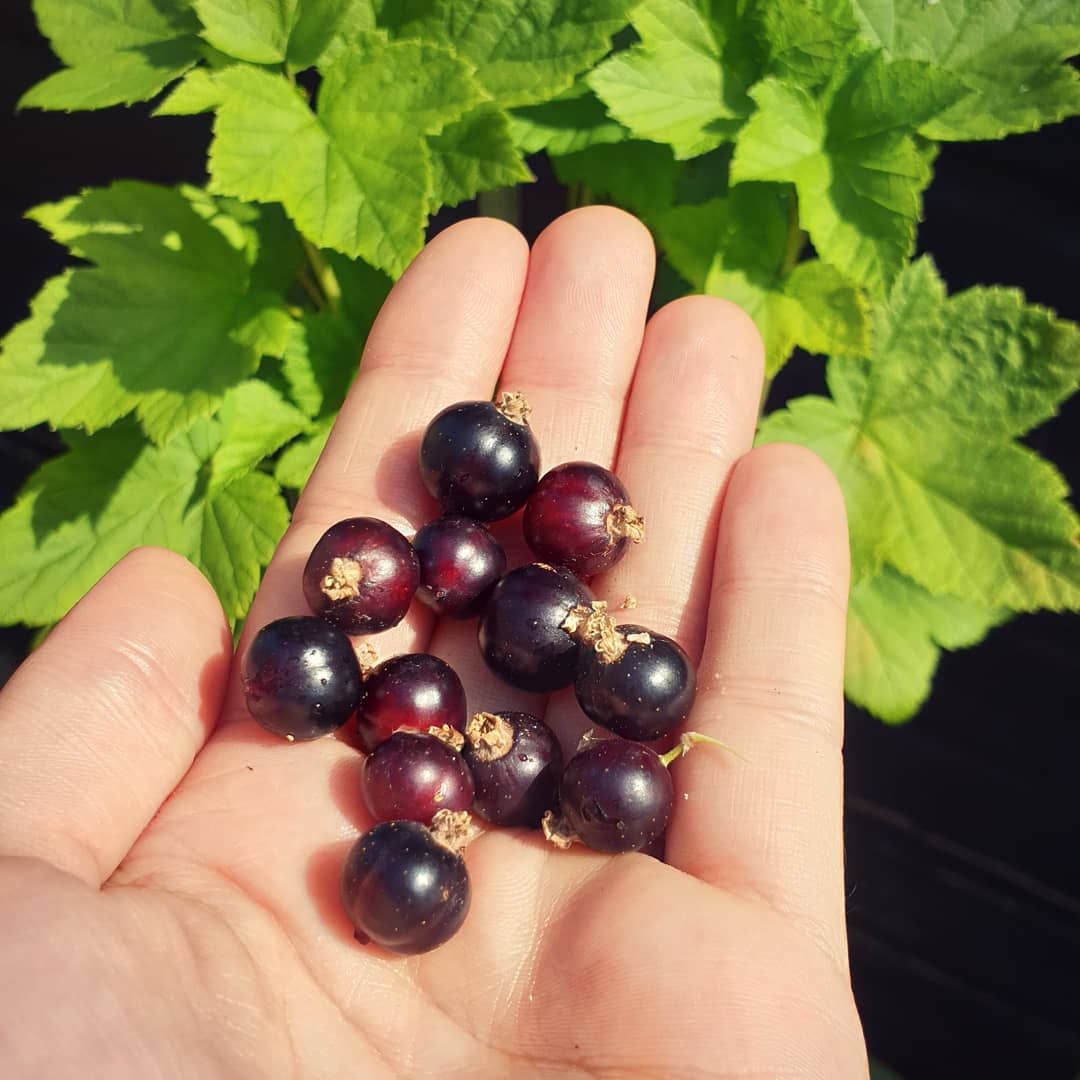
(480,459)
(580,517)
(361,576)
(460,562)
(616,795)
(301,678)
(645,691)
(516,763)
(416,691)
(412,776)
(521,633)
(403,889)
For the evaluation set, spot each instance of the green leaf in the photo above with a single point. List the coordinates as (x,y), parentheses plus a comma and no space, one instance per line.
(805,41)
(737,248)
(357,21)
(571,121)
(81,512)
(356,176)
(163,323)
(852,158)
(932,482)
(115,54)
(640,176)
(321,360)
(1008,53)
(297,461)
(895,633)
(195,93)
(523,53)
(474,154)
(686,83)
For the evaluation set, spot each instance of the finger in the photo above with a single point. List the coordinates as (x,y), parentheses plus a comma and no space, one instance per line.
(691,414)
(102,721)
(771,686)
(440,337)
(573,353)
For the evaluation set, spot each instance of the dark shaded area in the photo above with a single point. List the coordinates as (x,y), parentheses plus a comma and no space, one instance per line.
(964,887)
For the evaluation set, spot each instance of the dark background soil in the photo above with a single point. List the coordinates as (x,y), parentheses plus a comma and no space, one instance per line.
(962,826)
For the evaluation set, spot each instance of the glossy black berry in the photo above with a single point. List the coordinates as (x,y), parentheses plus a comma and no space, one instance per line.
(516,763)
(403,889)
(645,693)
(616,795)
(361,576)
(480,459)
(580,517)
(412,776)
(460,562)
(521,632)
(300,677)
(416,691)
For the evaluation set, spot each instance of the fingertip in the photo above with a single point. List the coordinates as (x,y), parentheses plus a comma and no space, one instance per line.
(601,230)
(487,233)
(158,573)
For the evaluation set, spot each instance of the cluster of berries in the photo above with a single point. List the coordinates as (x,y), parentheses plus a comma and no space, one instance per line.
(428,765)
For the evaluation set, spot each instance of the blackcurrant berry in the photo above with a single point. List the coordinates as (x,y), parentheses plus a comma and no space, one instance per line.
(460,562)
(480,459)
(616,795)
(412,776)
(645,692)
(361,576)
(521,632)
(403,889)
(301,678)
(516,763)
(416,691)
(580,517)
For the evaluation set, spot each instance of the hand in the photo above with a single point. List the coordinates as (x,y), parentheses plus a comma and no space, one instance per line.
(168,880)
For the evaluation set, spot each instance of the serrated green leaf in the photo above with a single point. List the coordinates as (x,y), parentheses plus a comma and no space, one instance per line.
(252,30)
(164,323)
(686,83)
(195,93)
(639,176)
(571,121)
(523,53)
(321,360)
(1009,54)
(357,21)
(895,633)
(297,461)
(355,177)
(319,23)
(116,54)
(852,158)
(932,482)
(737,248)
(363,290)
(806,41)
(474,154)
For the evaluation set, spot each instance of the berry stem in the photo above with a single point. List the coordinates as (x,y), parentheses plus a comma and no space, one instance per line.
(689,740)
(324,275)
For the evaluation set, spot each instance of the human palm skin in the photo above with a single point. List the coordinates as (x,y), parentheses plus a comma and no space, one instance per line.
(168,871)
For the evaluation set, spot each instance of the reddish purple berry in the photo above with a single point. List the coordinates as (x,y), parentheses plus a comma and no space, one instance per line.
(580,517)
(460,562)
(416,691)
(616,795)
(300,677)
(480,459)
(361,576)
(521,631)
(645,693)
(516,763)
(412,776)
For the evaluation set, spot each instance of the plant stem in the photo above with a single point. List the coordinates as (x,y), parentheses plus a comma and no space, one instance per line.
(328,283)
(310,288)
(502,203)
(796,238)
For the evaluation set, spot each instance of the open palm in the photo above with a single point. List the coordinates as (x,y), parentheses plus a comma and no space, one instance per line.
(168,871)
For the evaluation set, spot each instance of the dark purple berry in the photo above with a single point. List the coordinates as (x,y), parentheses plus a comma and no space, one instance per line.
(521,631)
(480,459)
(580,517)
(361,576)
(403,889)
(412,776)
(460,562)
(645,693)
(415,691)
(300,677)
(516,763)
(616,795)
